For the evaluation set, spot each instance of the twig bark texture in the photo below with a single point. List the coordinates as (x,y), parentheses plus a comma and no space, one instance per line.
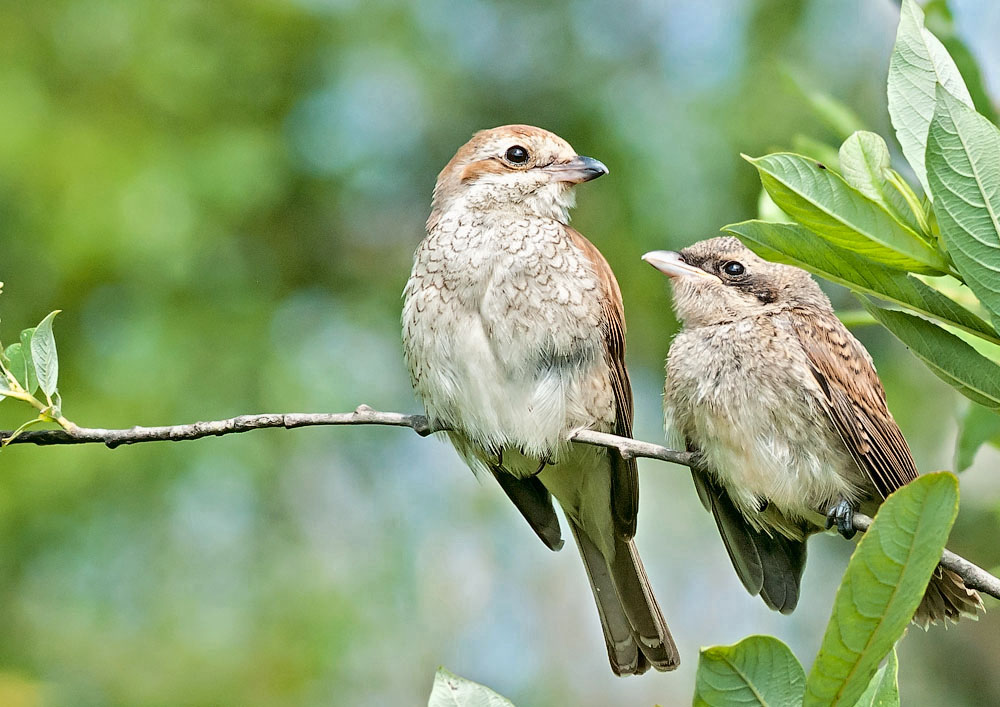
(975,577)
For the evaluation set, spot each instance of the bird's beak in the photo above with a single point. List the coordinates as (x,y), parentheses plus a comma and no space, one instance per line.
(577,170)
(671,264)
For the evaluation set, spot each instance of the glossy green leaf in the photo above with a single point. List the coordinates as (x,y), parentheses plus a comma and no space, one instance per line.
(950,358)
(759,670)
(823,202)
(883,690)
(791,244)
(882,587)
(866,166)
(43,351)
(963,166)
(29,364)
(450,690)
(919,62)
(979,426)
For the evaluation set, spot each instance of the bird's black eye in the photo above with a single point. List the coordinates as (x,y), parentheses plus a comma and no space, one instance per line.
(516,155)
(733,268)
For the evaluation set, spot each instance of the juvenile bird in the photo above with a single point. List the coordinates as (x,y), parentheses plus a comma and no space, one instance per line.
(514,335)
(787,417)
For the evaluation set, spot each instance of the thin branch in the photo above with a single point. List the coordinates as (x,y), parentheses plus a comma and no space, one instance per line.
(975,577)
(363,415)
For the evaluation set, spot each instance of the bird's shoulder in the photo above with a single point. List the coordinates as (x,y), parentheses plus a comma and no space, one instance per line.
(838,357)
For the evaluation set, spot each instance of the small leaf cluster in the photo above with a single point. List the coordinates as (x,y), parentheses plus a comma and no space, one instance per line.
(927,268)
(882,587)
(30,367)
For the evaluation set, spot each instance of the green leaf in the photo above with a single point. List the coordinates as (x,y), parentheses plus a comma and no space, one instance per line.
(979,426)
(452,691)
(823,202)
(884,583)
(919,62)
(883,690)
(32,379)
(951,359)
(963,166)
(43,351)
(17,363)
(865,165)
(759,670)
(793,245)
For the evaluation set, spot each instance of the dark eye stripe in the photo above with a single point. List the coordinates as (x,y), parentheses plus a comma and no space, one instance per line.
(759,289)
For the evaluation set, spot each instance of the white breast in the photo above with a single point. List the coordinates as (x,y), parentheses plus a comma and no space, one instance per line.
(501,334)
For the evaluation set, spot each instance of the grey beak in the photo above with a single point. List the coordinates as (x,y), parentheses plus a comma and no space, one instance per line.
(577,170)
(671,264)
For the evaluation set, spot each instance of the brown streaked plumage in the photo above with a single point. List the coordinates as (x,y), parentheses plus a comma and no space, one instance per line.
(625,473)
(789,418)
(854,400)
(514,334)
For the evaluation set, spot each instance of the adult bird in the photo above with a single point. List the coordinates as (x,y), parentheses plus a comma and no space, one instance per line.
(514,335)
(787,417)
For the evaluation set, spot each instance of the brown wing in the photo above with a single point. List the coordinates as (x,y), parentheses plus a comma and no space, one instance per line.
(855,401)
(624,472)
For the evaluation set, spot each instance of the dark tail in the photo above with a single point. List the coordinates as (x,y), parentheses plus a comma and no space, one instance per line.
(946,599)
(634,629)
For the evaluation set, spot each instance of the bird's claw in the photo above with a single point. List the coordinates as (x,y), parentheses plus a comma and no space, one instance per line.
(547,461)
(842,513)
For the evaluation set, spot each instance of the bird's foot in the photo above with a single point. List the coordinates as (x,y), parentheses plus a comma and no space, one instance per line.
(842,513)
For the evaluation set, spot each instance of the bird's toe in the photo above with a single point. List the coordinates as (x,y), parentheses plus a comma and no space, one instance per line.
(842,513)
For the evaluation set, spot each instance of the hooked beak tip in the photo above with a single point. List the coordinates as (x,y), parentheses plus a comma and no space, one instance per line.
(578,170)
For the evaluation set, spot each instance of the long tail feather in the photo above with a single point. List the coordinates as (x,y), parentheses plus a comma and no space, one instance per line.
(634,629)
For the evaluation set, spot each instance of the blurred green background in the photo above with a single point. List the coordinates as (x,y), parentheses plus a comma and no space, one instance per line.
(224,198)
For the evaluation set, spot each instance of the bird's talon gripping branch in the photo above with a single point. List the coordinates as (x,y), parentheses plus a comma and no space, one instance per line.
(842,513)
